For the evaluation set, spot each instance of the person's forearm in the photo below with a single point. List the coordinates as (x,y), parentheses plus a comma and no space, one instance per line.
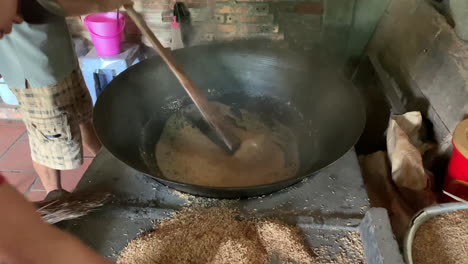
(58,247)
(25,238)
(80,7)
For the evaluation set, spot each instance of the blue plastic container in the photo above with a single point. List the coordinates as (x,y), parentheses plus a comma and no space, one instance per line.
(6,94)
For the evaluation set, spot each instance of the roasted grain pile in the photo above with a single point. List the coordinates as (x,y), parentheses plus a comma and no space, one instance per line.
(442,239)
(216,236)
(185,153)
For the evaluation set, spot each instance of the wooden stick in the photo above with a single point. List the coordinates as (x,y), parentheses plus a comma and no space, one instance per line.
(222,128)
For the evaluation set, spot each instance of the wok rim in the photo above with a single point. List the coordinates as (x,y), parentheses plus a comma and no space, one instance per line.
(254,190)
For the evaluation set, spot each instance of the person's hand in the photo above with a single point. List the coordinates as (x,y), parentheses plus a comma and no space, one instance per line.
(83,7)
(8,16)
(25,238)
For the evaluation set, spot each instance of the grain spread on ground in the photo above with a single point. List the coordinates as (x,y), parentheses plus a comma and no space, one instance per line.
(268,152)
(442,239)
(351,250)
(220,235)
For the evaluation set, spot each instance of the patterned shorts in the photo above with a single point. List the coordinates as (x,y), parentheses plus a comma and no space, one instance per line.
(52,116)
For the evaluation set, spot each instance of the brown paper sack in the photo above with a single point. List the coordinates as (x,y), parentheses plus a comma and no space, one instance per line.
(404,151)
(383,192)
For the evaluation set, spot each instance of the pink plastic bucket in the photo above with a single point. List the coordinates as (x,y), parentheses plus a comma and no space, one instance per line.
(106,32)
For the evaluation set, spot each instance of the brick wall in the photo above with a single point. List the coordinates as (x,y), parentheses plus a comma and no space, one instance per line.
(297,22)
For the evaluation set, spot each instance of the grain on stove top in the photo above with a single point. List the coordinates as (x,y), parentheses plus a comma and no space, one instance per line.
(283,242)
(351,250)
(234,240)
(442,239)
(217,236)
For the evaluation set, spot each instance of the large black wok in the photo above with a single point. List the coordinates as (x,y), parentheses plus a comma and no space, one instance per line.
(303,91)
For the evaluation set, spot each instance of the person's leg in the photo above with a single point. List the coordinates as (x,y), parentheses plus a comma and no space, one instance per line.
(54,133)
(90,139)
(50,178)
(84,113)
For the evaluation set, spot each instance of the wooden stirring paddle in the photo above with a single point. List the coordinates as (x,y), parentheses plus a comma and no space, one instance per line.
(217,121)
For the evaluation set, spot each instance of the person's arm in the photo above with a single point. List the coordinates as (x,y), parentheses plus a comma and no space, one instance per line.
(81,7)
(9,9)
(8,16)
(25,238)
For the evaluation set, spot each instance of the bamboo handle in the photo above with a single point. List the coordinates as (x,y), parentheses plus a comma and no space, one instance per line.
(213,117)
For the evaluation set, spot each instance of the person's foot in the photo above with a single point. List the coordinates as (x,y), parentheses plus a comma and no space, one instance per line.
(55,194)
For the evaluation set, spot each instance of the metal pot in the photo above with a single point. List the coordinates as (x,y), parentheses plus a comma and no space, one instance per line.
(422,217)
(304,91)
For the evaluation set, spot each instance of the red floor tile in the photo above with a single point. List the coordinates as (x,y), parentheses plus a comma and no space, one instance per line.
(38,186)
(24,137)
(35,196)
(6,122)
(18,158)
(8,136)
(21,181)
(70,178)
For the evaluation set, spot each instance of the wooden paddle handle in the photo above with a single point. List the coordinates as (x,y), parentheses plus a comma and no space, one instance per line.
(213,117)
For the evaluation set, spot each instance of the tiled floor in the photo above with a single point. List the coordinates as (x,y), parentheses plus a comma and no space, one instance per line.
(16,166)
